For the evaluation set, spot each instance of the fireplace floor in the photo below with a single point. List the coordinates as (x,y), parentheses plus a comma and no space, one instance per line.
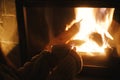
(98,74)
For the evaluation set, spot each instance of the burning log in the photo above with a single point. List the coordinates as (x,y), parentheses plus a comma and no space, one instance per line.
(65,36)
(97,38)
(76,42)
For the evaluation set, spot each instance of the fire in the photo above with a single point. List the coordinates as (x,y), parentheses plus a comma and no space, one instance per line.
(93,31)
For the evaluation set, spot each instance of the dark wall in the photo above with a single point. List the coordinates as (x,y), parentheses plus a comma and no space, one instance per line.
(117,14)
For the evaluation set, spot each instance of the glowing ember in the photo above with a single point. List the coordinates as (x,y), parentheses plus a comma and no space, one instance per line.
(94,25)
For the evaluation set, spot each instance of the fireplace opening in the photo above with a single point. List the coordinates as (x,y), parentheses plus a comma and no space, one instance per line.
(87,29)
(93,32)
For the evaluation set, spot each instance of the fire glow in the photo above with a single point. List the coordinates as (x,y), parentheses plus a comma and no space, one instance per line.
(93,32)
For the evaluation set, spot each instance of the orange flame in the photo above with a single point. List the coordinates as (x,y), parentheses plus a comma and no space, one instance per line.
(93,29)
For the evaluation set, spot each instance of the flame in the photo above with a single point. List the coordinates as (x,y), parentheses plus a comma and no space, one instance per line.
(94,25)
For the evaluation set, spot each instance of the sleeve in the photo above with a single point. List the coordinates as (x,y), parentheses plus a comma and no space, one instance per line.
(36,66)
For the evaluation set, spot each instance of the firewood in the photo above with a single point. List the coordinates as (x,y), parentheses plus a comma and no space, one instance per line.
(76,42)
(64,36)
(97,38)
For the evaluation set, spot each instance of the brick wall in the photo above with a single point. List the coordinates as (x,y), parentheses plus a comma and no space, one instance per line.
(9,31)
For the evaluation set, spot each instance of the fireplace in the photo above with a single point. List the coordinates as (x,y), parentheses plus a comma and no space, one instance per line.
(46,23)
